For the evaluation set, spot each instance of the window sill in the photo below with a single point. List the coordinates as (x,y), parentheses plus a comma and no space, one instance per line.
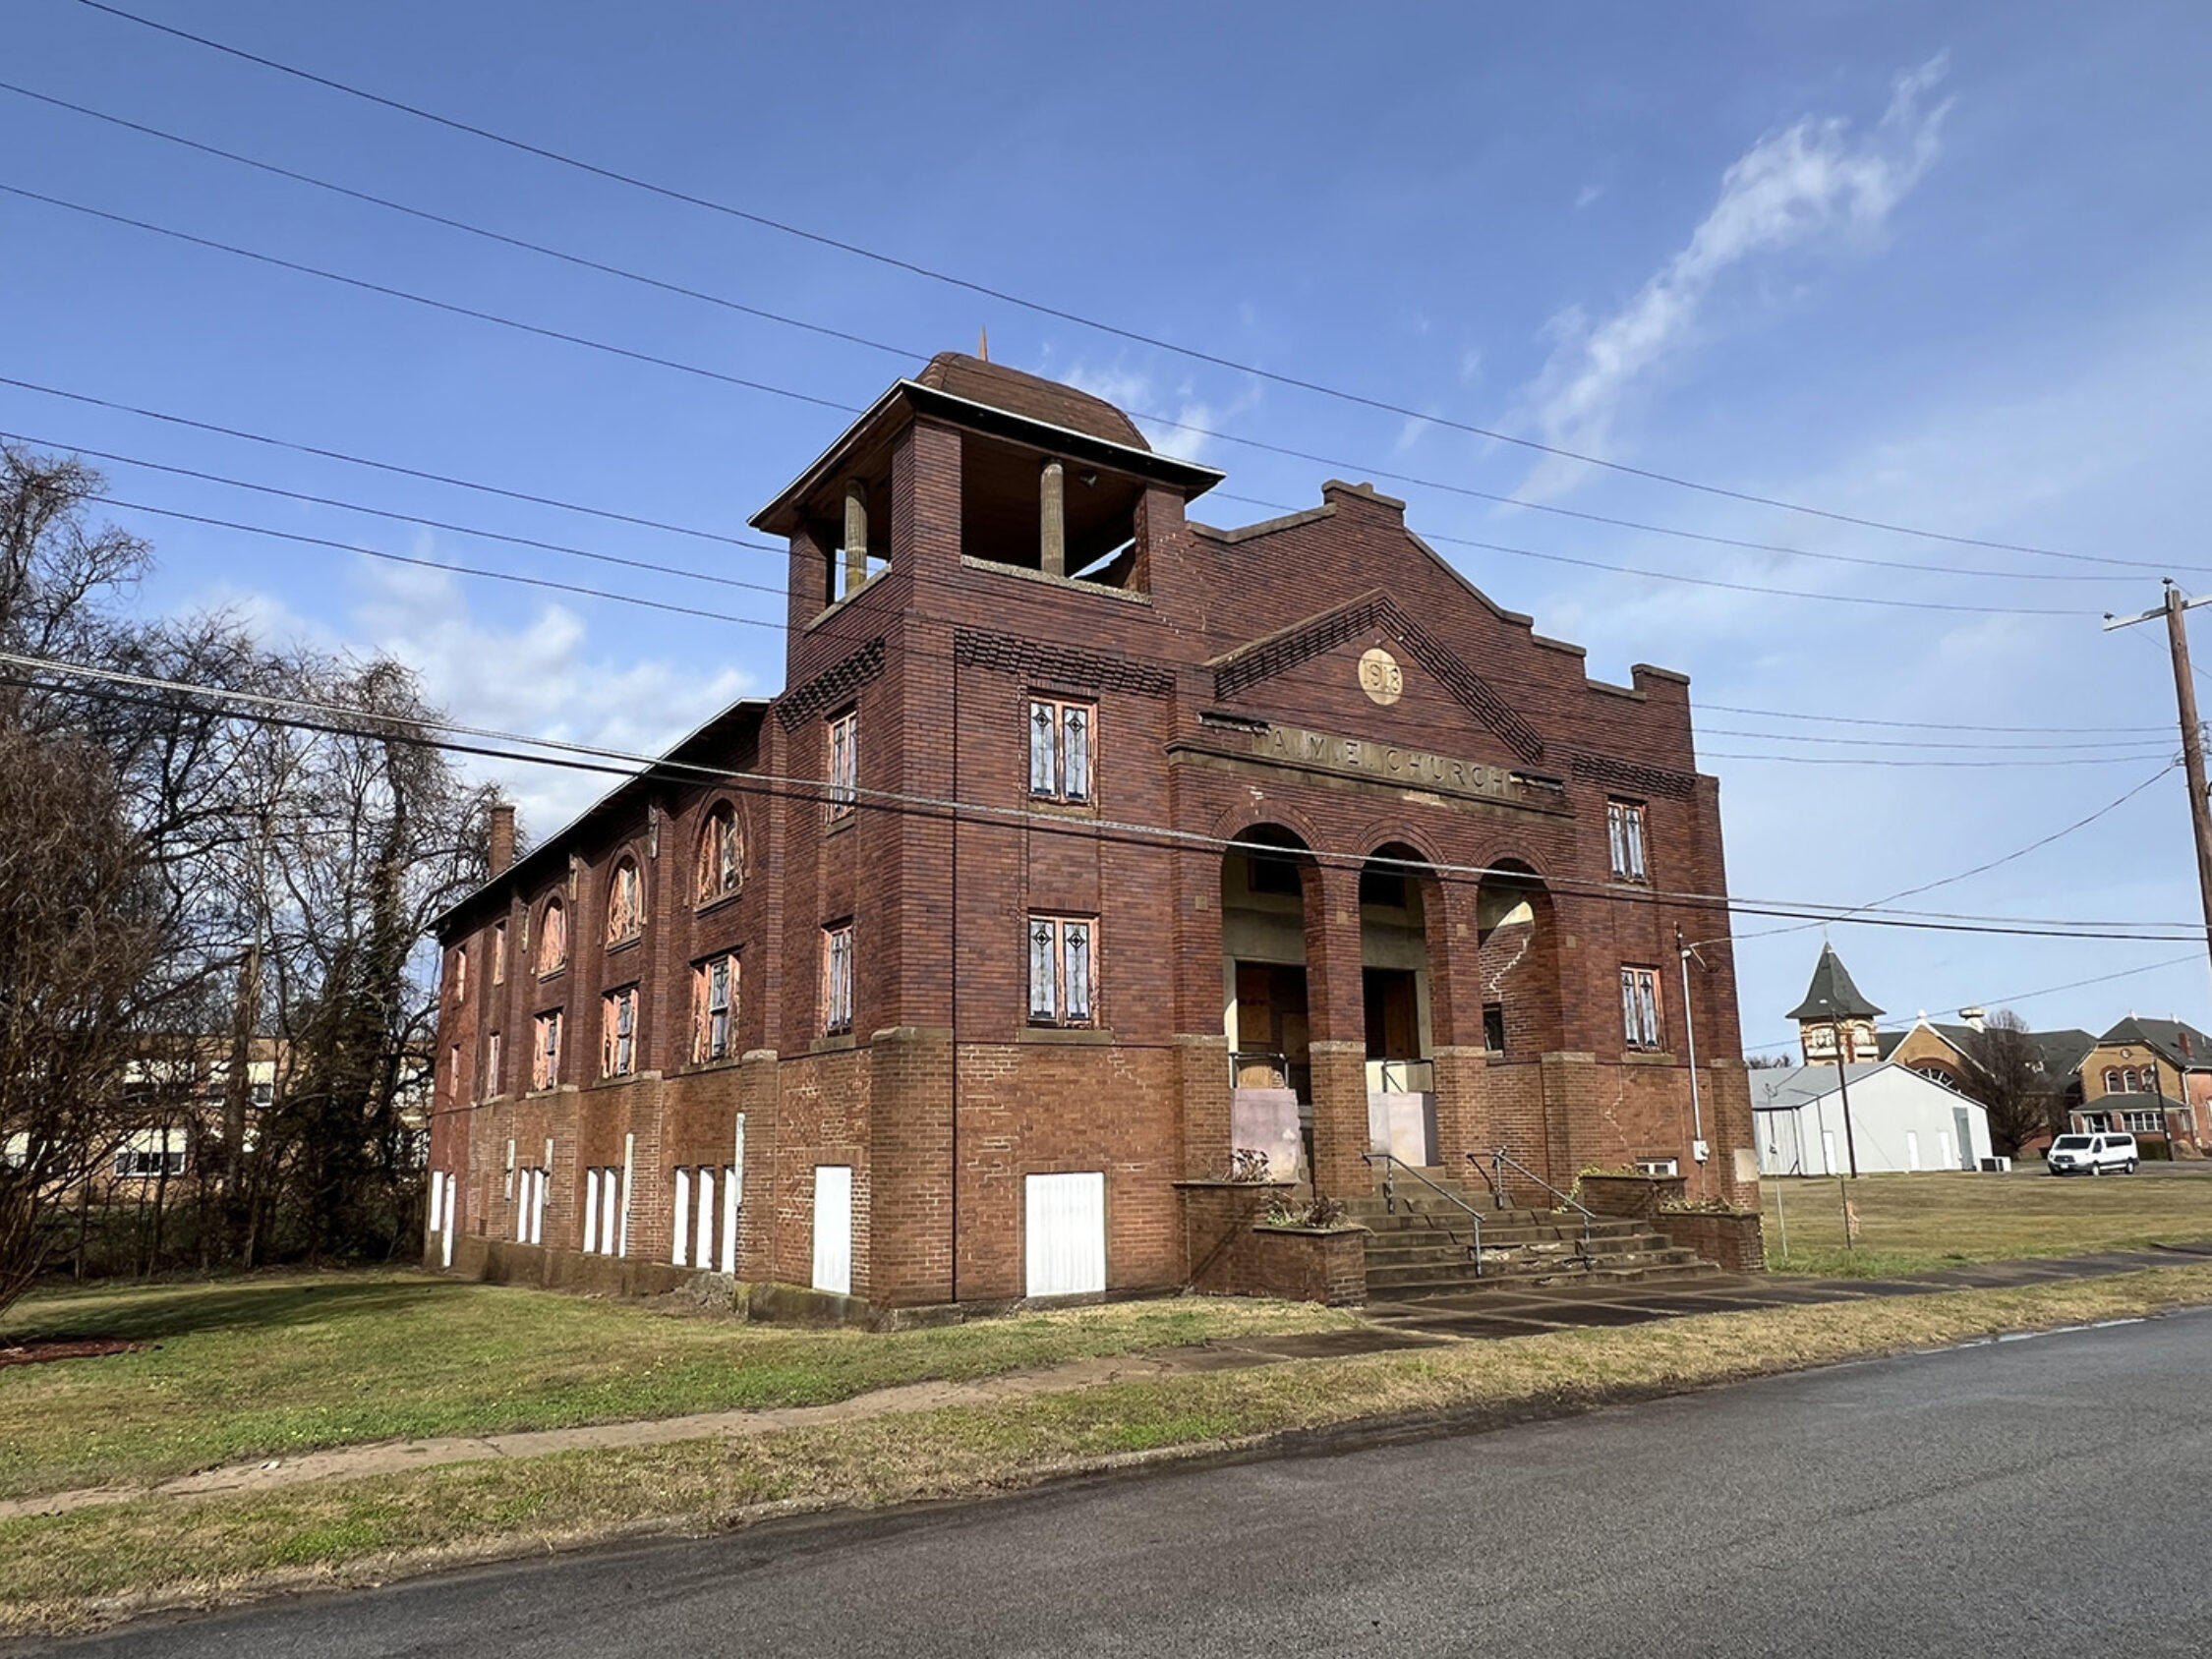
(720,1063)
(1645,1056)
(551,973)
(720,900)
(842,821)
(1056,807)
(1065,584)
(626,942)
(1094,1035)
(835,1041)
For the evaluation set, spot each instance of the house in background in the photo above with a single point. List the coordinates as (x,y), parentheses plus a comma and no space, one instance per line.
(2153,1078)
(1901,1122)
(1835,1009)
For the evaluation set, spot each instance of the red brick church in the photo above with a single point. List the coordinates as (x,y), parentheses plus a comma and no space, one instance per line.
(1087,844)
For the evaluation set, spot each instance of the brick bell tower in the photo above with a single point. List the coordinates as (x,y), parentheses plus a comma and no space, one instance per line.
(1833,1006)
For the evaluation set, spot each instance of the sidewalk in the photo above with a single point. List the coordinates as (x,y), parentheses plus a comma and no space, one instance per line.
(1519,1309)
(388,1456)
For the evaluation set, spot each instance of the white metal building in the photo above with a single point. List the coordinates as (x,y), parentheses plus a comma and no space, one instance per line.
(1901,1122)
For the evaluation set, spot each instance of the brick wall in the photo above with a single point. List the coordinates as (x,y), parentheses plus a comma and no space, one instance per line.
(942,1098)
(1229,1250)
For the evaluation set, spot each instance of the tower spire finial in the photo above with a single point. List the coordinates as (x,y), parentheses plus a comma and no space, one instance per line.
(984,343)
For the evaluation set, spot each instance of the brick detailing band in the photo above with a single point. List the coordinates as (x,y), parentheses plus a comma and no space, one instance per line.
(1050,665)
(832,686)
(1242,669)
(1616,773)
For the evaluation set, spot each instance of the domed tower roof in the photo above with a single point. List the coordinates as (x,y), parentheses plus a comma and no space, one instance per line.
(1000,387)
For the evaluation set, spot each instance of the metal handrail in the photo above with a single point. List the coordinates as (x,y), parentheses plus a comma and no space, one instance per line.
(1500,1161)
(1392,1162)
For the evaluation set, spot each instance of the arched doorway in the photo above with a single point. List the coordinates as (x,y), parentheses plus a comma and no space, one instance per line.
(1265,1011)
(1518,961)
(1396,892)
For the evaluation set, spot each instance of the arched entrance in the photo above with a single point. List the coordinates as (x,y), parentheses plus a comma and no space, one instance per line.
(1265,1011)
(1517,961)
(1396,892)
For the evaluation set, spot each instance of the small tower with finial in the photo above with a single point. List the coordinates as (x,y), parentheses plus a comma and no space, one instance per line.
(1835,1007)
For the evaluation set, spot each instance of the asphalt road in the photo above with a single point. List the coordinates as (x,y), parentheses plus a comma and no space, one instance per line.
(2045,1495)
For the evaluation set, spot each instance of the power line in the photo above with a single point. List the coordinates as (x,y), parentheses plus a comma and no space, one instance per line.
(723,301)
(2104,746)
(2075,985)
(404,517)
(412,298)
(305,269)
(1925,725)
(815,790)
(437,564)
(387,466)
(1040,307)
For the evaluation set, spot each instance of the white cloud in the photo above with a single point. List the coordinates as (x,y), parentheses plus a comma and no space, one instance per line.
(1815,178)
(541,677)
(1174,421)
(1587,195)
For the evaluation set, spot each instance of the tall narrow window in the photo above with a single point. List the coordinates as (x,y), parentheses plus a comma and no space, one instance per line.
(2112,1080)
(1639,1008)
(714,1007)
(617,1047)
(1624,836)
(545,1050)
(626,903)
(499,952)
(493,1086)
(722,855)
(553,938)
(1060,749)
(836,978)
(1063,970)
(844,762)
(460,973)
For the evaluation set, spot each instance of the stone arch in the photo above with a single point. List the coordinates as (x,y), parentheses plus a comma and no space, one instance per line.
(1517,955)
(717,866)
(1270,889)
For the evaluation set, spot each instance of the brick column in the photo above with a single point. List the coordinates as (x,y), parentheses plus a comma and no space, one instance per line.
(1570,1103)
(1336,1009)
(759,1082)
(910,1169)
(1463,1120)
(1202,1072)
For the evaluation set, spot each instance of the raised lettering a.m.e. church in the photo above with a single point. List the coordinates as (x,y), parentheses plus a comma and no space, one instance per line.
(1089,844)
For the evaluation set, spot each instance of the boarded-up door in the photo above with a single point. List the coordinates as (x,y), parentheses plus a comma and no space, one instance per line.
(832,1228)
(1067,1234)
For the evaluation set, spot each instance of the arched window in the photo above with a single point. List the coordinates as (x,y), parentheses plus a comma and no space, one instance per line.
(722,854)
(2112,1079)
(553,938)
(626,901)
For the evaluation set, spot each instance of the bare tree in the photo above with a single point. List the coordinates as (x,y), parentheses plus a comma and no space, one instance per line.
(2007,1077)
(83,947)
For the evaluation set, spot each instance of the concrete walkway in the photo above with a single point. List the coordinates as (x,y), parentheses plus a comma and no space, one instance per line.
(1517,1310)
(387,1456)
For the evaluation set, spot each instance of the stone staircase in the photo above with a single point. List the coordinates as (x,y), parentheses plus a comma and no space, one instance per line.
(1420,1248)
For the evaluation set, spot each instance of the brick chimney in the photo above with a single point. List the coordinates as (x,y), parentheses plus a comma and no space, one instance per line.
(503,836)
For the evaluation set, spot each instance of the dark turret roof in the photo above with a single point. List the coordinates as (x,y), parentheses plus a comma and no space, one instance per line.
(1831,994)
(1050,401)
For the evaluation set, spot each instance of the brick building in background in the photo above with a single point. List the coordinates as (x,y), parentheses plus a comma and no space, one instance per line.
(774,1008)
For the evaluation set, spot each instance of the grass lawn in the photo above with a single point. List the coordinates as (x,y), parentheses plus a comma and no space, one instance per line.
(280,1364)
(1909,1224)
(71,1570)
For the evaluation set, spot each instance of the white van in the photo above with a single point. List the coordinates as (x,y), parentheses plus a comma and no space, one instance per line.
(2092,1155)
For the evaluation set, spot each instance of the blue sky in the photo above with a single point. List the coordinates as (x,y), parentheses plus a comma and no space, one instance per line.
(1939,265)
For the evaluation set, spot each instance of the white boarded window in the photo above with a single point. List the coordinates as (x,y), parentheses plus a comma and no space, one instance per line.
(845,763)
(832,1228)
(704,1255)
(728,1218)
(836,978)
(591,1212)
(1624,836)
(1065,1234)
(681,1234)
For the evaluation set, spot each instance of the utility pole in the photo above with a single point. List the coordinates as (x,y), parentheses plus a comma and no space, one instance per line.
(1843,1088)
(2193,733)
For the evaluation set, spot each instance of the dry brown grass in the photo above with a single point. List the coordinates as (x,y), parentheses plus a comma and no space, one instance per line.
(73,1571)
(1912,1223)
